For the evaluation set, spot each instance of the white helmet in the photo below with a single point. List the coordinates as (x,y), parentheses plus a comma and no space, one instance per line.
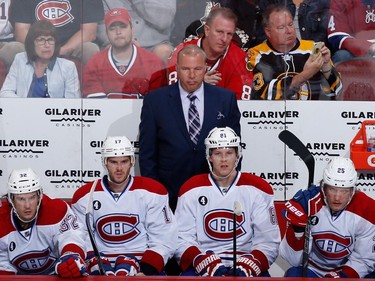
(222,137)
(23,181)
(118,146)
(340,172)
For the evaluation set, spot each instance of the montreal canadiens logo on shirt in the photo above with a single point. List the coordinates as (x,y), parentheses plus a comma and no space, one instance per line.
(333,246)
(118,228)
(218,225)
(34,262)
(57,12)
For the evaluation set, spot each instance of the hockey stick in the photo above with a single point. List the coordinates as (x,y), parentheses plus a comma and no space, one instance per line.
(301,150)
(91,233)
(237,211)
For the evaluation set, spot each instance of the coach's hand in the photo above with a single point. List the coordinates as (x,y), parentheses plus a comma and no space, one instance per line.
(71,265)
(305,203)
(209,264)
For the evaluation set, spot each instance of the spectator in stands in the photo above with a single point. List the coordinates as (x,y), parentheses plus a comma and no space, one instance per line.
(342,227)
(227,64)
(134,228)
(152,22)
(39,235)
(310,19)
(8,46)
(351,29)
(205,215)
(123,70)
(38,72)
(284,66)
(171,141)
(76,22)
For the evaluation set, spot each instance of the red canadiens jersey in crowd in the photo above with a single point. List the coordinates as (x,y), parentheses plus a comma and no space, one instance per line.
(352,25)
(138,221)
(205,219)
(233,66)
(37,249)
(345,241)
(102,78)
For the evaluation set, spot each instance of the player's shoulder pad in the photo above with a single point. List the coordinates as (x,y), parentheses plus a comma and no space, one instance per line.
(85,189)
(247,179)
(193,182)
(6,222)
(148,184)
(362,205)
(51,210)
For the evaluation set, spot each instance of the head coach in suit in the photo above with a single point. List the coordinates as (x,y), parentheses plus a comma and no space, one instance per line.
(170,150)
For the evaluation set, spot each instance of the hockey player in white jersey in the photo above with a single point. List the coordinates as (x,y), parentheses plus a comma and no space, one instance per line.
(342,238)
(205,216)
(38,235)
(134,228)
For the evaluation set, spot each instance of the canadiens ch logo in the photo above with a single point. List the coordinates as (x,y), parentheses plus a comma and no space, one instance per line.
(218,225)
(118,228)
(57,12)
(34,262)
(333,246)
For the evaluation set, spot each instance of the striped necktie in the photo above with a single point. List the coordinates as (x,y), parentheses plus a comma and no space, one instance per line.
(194,123)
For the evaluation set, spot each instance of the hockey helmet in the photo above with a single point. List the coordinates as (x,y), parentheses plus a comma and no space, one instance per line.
(222,137)
(23,181)
(340,172)
(117,146)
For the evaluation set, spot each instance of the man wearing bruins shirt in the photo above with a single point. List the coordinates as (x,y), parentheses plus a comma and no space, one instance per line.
(285,67)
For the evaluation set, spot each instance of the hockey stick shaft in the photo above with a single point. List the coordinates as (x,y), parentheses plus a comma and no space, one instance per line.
(237,211)
(91,233)
(302,151)
(234,244)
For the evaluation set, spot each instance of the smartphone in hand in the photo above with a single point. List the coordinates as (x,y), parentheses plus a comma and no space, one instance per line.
(316,49)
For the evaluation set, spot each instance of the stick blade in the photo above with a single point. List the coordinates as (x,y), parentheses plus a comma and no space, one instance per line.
(301,150)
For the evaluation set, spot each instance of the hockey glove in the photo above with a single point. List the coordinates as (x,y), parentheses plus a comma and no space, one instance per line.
(126,266)
(336,274)
(93,266)
(71,265)
(209,264)
(304,204)
(247,266)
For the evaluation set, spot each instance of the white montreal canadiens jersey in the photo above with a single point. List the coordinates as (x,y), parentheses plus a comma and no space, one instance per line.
(132,222)
(347,240)
(205,218)
(36,250)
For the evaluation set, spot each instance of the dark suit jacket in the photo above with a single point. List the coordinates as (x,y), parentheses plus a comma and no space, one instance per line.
(166,152)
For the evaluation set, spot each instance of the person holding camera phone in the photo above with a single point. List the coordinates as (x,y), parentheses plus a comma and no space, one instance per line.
(285,67)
